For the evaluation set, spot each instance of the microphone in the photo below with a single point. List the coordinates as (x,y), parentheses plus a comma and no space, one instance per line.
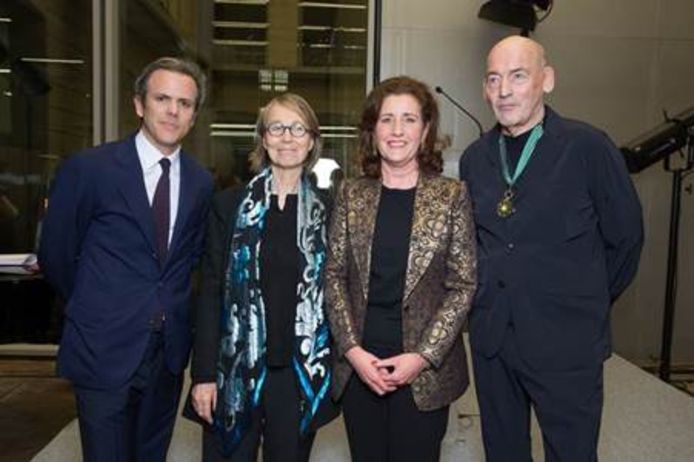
(440,91)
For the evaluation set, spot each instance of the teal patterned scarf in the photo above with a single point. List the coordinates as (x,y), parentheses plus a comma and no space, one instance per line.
(241,369)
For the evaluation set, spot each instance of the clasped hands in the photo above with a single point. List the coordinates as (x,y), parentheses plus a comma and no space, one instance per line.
(385,375)
(381,375)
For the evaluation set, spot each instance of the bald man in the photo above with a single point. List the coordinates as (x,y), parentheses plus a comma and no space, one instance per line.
(559,235)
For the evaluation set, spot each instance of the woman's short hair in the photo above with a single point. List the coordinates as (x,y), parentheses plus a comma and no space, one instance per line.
(429,157)
(178,65)
(259,157)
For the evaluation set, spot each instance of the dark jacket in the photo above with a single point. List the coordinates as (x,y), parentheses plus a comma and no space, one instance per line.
(553,267)
(98,250)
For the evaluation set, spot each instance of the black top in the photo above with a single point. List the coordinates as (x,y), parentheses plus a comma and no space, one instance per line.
(514,149)
(389,251)
(279,276)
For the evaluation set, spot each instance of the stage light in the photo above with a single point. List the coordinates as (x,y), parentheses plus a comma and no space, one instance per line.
(515,13)
(674,135)
(658,143)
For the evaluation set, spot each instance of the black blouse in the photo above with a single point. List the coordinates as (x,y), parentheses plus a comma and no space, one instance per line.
(389,251)
(279,276)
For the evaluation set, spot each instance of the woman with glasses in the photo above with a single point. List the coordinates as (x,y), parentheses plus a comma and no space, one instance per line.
(261,359)
(400,278)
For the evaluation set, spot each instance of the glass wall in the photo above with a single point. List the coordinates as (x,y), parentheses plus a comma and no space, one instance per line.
(254,50)
(45,114)
(45,105)
(66,74)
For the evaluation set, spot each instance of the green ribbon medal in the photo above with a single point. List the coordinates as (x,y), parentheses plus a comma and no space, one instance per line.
(505,206)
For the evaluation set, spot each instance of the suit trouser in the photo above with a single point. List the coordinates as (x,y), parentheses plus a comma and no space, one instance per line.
(390,428)
(276,421)
(568,406)
(135,421)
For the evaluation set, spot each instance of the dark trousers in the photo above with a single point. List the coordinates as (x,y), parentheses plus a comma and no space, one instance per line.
(568,406)
(390,428)
(276,421)
(135,421)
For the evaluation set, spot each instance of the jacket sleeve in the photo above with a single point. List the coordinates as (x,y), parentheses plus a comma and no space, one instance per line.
(339,308)
(459,283)
(209,304)
(619,213)
(65,224)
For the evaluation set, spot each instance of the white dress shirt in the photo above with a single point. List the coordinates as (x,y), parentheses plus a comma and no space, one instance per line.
(149,160)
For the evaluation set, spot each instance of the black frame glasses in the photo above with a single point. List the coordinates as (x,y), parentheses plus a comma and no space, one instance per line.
(277,129)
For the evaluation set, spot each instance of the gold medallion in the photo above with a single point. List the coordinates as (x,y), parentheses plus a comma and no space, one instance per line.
(505,206)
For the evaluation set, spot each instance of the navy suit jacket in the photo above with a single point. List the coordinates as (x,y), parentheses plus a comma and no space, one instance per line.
(98,250)
(552,269)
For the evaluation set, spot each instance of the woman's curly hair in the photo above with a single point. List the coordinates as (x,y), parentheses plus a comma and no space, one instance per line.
(429,157)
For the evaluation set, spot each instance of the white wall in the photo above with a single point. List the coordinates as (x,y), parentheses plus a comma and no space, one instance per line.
(619,63)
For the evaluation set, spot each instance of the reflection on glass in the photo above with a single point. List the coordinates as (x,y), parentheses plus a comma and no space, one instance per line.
(253,51)
(45,106)
(260,49)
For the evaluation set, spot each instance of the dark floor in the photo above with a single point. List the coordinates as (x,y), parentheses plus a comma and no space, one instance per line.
(34,406)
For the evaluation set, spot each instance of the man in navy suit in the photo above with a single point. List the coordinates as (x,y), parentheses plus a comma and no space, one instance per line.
(121,235)
(559,235)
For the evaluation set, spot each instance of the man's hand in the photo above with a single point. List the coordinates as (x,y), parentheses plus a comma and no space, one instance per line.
(204,400)
(403,368)
(364,363)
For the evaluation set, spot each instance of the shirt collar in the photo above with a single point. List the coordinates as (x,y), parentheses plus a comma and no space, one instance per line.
(149,155)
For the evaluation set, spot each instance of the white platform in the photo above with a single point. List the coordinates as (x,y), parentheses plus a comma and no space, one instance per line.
(644,420)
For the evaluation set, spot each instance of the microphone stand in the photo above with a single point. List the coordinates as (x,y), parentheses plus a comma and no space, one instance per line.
(441,91)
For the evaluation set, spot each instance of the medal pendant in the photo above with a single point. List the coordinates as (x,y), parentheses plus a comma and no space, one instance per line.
(505,206)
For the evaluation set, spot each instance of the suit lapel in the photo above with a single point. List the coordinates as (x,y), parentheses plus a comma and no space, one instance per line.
(362,221)
(132,187)
(429,206)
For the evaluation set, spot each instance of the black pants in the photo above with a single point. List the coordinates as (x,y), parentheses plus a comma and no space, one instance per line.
(390,428)
(276,420)
(568,405)
(135,421)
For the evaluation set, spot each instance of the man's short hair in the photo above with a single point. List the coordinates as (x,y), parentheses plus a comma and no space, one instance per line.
(179,65)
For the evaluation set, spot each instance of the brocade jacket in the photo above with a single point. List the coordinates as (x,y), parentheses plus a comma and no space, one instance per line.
(439,283)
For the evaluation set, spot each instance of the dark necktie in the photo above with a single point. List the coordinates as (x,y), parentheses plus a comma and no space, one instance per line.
(161,207)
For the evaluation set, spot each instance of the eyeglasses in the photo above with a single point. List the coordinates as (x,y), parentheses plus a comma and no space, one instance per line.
(296,129)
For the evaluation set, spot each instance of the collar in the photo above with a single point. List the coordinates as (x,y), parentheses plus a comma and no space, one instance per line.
(552,123)
(149,155)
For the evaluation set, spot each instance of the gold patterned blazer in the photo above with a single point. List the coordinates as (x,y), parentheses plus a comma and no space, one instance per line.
(439,282)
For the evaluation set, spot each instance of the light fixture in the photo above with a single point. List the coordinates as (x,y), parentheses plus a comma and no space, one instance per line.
(515,13)
(658,143)
(51,60)
(676,134)
(346,6)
